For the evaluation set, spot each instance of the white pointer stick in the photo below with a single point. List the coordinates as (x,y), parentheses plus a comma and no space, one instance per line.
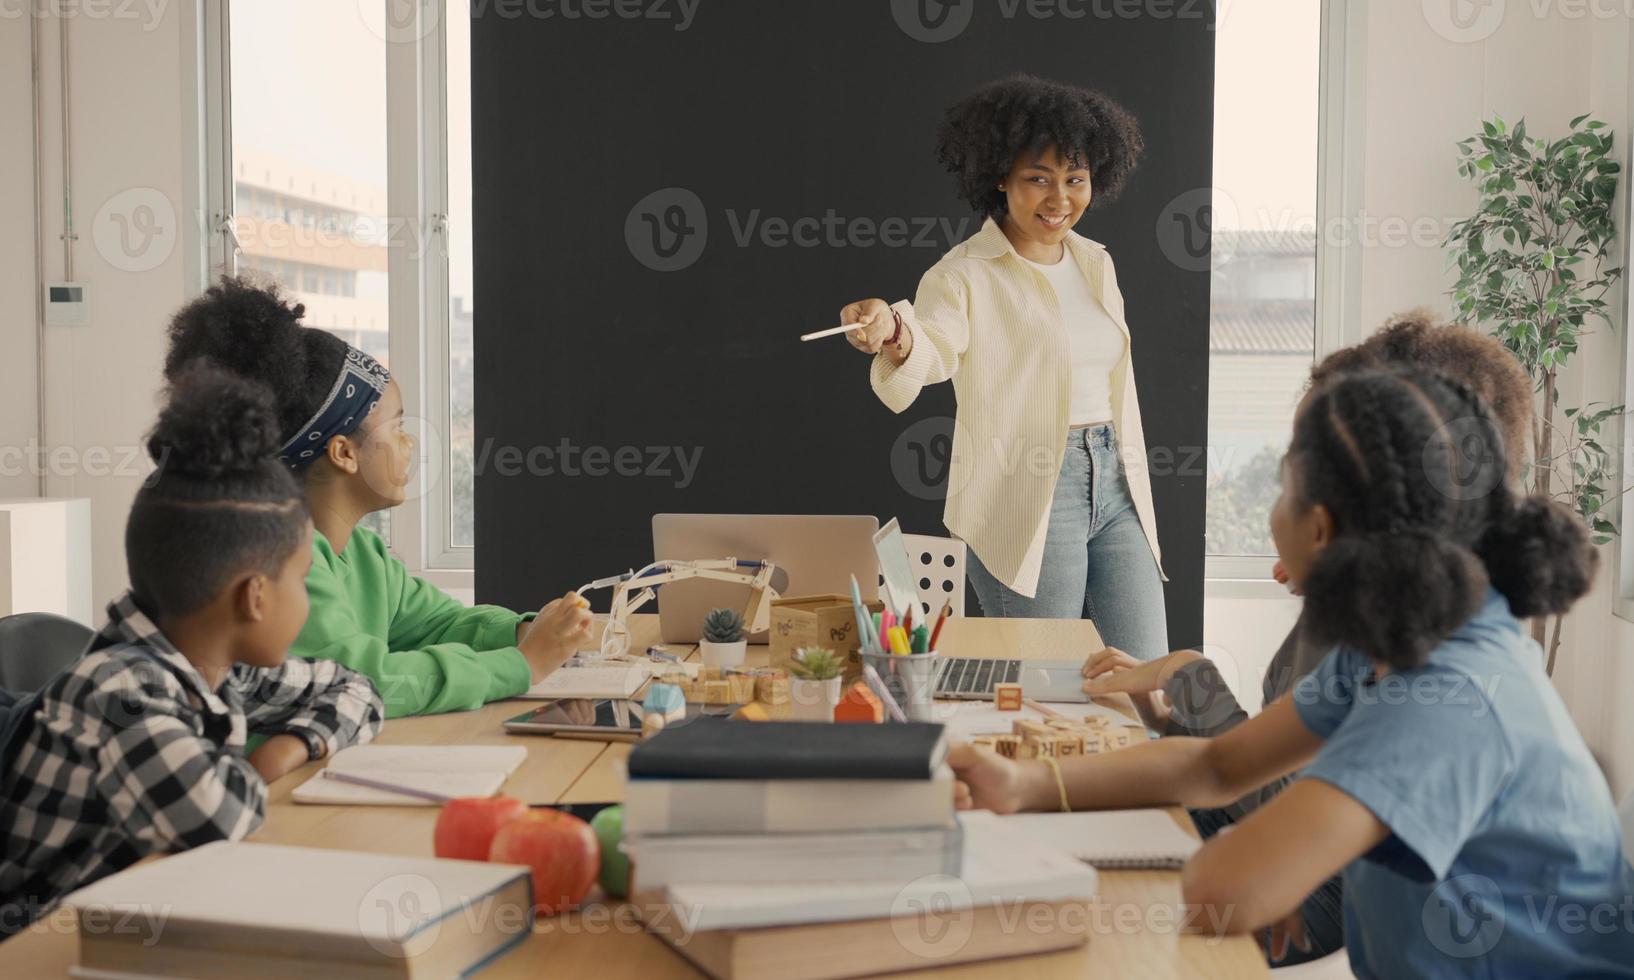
(831,331)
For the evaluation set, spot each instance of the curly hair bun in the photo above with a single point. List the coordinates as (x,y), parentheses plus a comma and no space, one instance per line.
(245,327)
(1540,557)
(216,425)
(1393,596)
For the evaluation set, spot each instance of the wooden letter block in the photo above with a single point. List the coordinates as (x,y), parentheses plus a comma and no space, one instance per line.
(1007,697)
(742,687)
(860,704)
(1029,727)
(772,688)
(1008,746)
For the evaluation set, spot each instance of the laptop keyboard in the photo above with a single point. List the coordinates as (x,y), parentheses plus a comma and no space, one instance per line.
(965,675)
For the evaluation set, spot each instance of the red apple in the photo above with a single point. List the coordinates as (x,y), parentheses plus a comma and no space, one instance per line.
(561,849)
(466,826)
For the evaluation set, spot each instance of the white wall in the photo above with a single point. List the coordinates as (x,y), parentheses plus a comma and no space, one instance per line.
(128,126)
(18,419)
(1425,91)
(1596,669)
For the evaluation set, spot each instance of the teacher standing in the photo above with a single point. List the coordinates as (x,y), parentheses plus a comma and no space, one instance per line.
(1048,485)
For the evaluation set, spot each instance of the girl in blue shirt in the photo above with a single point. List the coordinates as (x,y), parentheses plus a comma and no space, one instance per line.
(1440,770)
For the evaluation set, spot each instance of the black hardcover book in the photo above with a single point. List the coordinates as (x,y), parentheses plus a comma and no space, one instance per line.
(716,748)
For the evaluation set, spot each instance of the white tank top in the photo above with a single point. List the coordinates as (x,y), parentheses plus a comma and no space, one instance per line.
(1096,342)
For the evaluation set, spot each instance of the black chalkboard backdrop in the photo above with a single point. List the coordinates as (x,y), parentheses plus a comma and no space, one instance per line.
(669,192)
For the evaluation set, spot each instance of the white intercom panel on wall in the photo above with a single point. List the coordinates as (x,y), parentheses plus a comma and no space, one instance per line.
(67,304)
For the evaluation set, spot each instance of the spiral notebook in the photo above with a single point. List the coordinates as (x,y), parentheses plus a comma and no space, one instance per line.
(1109,838)
(449,770)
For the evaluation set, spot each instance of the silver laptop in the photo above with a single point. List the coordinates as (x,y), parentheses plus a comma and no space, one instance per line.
(973,678)
(820,553)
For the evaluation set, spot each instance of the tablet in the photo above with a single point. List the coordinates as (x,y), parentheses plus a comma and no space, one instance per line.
(615,720)
(611,719)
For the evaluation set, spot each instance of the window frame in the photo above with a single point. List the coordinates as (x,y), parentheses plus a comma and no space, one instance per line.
(1340,129)
(1622,601)
(416,265)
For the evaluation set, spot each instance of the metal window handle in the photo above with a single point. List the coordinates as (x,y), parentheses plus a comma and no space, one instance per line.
(227,227)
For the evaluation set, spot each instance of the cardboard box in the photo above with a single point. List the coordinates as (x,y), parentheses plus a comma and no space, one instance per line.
(817,621)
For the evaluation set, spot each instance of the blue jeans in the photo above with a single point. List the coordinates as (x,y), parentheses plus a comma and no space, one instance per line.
(1097,564)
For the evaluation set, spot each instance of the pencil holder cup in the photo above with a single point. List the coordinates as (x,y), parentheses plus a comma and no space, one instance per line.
(911,679)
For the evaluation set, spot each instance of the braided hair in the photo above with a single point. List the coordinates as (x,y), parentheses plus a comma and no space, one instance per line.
(1417,338)
(1412,467)
(220,503)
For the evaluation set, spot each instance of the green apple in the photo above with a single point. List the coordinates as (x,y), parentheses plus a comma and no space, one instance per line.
(615,864)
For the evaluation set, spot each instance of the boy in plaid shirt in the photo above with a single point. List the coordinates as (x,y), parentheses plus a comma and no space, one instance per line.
(140,747)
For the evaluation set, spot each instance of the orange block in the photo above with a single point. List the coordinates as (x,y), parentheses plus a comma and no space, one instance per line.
(1007,697)
(860,704)
(753,711)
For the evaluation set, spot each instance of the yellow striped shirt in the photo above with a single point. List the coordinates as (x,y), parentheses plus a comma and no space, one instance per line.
(989,322)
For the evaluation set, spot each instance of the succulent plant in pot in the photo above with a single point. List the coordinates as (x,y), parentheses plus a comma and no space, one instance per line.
(814,685)
(723,644)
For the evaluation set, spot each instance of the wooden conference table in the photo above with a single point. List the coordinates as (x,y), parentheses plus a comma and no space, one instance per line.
(1133,924)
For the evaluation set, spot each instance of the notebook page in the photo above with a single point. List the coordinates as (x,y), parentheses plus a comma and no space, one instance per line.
(1108,838)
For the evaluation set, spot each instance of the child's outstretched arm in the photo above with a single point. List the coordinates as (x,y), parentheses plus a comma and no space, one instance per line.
(412,678)
(326,705)
(1195,772)
(1260,872)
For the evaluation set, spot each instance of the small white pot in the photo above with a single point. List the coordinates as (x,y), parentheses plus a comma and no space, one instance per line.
(723,654)
(813,700)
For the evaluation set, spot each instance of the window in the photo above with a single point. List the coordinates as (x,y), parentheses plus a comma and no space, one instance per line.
(1272,82)
(461,487)
(313,172)
(302,140)
(1621,513)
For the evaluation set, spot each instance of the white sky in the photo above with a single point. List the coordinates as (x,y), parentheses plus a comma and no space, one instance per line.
(309,85)
(1265,78)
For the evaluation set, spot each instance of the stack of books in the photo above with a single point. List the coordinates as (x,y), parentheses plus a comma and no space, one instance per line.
(810,851)
(269,912)
(711,802)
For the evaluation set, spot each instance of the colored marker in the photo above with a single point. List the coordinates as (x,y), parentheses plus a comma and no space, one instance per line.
(935,634)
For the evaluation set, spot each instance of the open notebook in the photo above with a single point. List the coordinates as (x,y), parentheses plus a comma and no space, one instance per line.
(451,770)
(589,676)
(1108,838)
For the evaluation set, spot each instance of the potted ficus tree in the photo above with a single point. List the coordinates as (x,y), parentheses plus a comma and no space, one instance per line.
(1532,270)
(814,683)
(723,644)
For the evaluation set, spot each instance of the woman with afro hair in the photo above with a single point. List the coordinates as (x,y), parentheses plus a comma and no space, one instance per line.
(1049,485)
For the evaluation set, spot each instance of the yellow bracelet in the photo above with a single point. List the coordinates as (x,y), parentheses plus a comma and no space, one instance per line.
(1060,783)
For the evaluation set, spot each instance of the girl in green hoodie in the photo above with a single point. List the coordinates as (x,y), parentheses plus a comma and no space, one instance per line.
(341,417)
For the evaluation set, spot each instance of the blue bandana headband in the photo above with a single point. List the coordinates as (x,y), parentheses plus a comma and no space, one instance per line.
(357,390)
